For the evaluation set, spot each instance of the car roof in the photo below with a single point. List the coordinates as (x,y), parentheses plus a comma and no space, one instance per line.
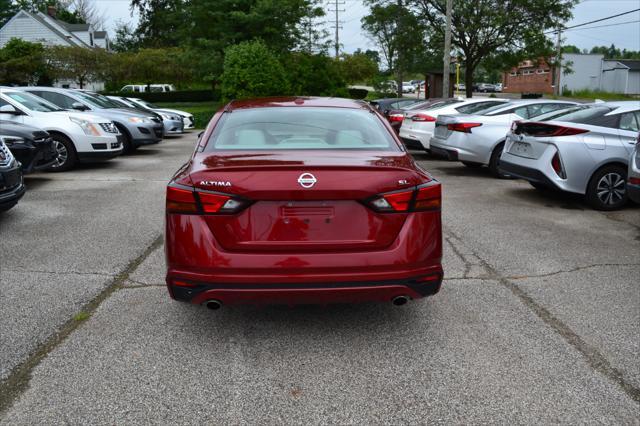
(295,101)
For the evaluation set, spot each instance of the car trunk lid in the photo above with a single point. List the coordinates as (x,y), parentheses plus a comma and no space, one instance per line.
(306,201)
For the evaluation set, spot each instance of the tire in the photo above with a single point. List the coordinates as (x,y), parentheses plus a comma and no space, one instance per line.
(494,162)
(472,165)
(607,189)
(67,155)
(127,145)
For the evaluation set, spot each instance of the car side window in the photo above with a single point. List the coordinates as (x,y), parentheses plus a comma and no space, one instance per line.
(522,112)
(629,121)
(58,99)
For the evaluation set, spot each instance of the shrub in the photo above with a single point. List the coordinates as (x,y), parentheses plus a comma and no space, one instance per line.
(177,96)
(314,75)
(252,70)
(358,93)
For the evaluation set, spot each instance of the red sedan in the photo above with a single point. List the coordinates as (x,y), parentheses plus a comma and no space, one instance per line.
(302,201)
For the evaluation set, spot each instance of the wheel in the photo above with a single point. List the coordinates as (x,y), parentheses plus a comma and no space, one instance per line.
(472,165)
(607,189)
(127,145)
(494,162)
(67,156)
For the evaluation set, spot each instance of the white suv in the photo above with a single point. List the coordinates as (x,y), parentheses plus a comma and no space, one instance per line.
(77,136)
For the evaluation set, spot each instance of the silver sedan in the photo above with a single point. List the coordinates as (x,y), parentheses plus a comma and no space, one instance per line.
(478,139)
(584,150)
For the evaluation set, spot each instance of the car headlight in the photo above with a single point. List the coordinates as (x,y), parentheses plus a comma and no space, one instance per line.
(168,116)
(11,140)
(88,127)
(139,120)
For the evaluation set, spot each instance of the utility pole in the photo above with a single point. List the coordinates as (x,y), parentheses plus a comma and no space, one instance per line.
(557,91)
(447,52)
(336,25)
(399,63)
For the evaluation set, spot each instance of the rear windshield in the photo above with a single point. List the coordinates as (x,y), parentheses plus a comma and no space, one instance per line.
(579,114)
(286,128)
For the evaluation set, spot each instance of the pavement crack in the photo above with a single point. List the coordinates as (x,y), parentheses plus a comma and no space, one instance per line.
(18,380)
(593,357)
(37,271)
(566,271)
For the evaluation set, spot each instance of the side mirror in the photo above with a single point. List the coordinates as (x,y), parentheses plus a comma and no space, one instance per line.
(79,106)
(9,109)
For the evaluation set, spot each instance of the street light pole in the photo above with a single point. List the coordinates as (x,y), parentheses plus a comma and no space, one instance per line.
(447,52)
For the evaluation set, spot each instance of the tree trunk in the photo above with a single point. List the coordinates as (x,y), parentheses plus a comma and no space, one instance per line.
(468,79)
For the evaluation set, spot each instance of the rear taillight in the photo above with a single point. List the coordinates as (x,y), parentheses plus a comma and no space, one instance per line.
(543,130)
(422,117)
(634,181)
(421,198)
(557,165)
(462,127)
(185,200)
(396,117)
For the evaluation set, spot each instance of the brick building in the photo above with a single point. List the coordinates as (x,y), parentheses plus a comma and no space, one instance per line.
(529,77)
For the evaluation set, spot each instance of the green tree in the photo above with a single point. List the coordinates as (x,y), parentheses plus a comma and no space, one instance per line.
(397,30)
(79,64)
(482,28)
(357,67)
(126,39)
(314,75)
(252,70)
(570,48)
(8,8)
(22,62)
(64,12)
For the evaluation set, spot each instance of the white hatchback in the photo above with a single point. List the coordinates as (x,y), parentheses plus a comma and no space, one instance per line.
(77,136)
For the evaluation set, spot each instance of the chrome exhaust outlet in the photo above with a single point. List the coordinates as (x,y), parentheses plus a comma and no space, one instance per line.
(213,304)
(400,300)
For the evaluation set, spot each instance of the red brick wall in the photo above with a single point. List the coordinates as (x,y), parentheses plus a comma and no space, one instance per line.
(534,82)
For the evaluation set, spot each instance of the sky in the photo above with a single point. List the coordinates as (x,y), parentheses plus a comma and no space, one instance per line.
(621,32)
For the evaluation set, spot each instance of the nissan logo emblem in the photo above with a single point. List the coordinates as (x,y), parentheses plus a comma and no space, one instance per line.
(307,180)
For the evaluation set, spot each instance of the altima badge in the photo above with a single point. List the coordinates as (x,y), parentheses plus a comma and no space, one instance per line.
(215,183)
(307,180)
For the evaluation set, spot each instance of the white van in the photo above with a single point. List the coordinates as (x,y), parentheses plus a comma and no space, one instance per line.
(139,88)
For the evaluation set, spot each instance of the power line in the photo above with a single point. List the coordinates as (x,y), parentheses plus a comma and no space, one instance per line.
(594,21)
(604,26)
(337,26)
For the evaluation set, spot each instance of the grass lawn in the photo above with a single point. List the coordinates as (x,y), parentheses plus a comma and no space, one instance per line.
(202,111)
(593,95)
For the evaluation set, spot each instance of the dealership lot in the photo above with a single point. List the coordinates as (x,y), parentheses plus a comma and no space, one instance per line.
(538,319)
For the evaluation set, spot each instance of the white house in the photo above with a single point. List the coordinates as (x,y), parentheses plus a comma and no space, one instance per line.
(50,31)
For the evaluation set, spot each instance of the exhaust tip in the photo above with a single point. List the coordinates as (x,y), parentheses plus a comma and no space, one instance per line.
(400,300)
(213,304)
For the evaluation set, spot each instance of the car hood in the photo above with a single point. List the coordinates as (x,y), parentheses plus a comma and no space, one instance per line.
(92,117)
(8,128)
(174,111)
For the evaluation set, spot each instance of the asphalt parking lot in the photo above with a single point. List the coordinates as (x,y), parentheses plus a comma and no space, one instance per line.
(538,320)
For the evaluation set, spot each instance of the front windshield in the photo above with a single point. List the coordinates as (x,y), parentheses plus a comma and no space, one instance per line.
(95,101)
(147,104)
(32,102)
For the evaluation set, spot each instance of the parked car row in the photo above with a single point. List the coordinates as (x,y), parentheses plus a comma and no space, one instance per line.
(45,128)
(586,149)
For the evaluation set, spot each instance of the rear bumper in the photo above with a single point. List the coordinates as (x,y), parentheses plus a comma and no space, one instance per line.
(526,173)
(302,294)
(412,144)
(449,154)
(634,192)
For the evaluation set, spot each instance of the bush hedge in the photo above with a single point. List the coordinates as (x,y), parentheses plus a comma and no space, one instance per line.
(358,93)
(177,96)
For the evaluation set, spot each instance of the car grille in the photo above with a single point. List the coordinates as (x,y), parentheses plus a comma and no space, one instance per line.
(109,127)
(5,155)
(158,132)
